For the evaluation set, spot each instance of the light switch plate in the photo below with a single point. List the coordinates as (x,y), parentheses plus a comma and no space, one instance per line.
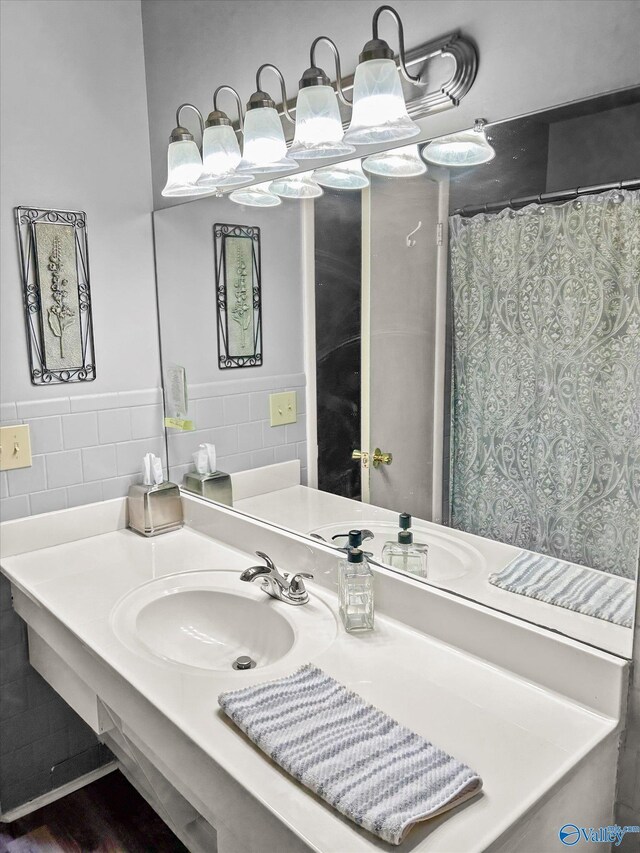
(15,447)
(283,408)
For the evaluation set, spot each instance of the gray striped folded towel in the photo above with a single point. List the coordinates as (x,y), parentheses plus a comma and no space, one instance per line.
(374,771)
(578,588)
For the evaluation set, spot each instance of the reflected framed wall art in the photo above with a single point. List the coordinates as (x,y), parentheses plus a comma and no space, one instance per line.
(238,295)
(54,264)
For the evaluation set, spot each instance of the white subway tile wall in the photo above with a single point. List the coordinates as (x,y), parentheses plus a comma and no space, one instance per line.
(239,426)
(90,448)
(85,449)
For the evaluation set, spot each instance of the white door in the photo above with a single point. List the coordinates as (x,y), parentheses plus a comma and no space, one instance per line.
(403,320)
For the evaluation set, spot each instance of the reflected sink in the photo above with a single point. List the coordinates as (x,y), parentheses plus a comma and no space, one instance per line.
(205,620)
(449,559)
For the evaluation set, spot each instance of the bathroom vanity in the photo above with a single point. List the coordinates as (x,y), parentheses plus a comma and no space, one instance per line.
(121,626)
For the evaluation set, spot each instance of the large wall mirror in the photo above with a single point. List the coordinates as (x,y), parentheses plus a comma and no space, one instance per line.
(462,344)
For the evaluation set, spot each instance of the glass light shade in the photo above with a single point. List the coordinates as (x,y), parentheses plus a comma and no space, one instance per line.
(379,111)
(400,163)
(184,167)
(342,176)
(468,148)
(265,149)
(296,186)
(221,155)
(318,125)
(256,196)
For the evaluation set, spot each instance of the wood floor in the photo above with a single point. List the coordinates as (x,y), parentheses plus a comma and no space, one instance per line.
(108,816)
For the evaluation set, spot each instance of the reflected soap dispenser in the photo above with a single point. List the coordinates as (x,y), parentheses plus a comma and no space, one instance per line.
(405,554)
(355,589)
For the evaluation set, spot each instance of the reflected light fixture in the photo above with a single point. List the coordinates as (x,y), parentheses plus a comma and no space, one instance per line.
(319,130)
(184,163)
(265,149)
(379,109)
(467,148)
(403,162)
(220,149)
(342,176)
(296,186)
(257,195)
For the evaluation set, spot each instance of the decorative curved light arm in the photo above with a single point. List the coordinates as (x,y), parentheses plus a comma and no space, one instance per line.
(402,53)
(336,56)
(283,88)
(224,88)
(196,111)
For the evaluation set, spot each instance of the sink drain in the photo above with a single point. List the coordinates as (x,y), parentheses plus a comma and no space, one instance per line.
(243,662)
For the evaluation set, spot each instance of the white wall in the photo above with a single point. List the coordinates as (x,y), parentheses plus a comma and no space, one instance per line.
(533,53)
(75,136)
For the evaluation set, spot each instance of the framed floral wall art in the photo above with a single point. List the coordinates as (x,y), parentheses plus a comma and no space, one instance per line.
(54,265)
(238,295)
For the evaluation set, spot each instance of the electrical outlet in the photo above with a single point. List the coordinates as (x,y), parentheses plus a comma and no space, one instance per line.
(15,447)
(283,408)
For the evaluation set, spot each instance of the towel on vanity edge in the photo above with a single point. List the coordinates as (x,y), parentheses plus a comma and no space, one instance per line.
(589,591)
(374,771)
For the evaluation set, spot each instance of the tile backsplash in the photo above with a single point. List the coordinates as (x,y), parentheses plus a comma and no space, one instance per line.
(238,424)
(85,449)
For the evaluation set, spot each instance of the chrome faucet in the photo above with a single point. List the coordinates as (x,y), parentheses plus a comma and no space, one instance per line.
(280,586)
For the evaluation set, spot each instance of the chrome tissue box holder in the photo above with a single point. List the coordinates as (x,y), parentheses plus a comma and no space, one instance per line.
(154,509)
(214,487)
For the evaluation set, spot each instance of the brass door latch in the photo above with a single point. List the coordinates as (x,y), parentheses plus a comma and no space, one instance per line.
(379,458)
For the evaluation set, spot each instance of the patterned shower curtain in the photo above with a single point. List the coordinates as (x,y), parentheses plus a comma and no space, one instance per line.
(545,450)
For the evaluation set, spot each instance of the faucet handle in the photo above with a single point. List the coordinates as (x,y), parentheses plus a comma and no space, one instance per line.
(271,565)
(297,589)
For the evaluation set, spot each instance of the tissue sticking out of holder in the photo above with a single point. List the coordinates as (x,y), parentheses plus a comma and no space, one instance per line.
(205,481)
(205,459)
(154,506)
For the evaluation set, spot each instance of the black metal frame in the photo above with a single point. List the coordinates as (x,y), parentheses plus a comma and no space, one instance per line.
(221,232)
(26,218)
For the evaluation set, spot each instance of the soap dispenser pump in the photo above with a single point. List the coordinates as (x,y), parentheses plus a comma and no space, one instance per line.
(405,554)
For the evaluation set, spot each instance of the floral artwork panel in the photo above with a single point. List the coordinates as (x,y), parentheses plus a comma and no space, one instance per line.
(238,295)
(239,285)
(59,299)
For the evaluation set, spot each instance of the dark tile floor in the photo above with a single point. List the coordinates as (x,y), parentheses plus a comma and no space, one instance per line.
(108,816)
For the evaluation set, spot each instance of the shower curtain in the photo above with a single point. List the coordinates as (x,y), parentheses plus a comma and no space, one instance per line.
(545,410)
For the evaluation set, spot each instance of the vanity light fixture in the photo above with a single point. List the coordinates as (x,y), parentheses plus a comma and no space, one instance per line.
(220,149)
(467,148)
(184,163)
(347,175)
(258,195)
(265,149)
(319,130)
(379,109)
(403,162)
(296,186)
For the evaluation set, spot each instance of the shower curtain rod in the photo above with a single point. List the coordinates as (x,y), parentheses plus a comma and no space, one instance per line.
(545,198)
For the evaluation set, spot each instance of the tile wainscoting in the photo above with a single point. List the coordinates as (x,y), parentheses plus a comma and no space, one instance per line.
(238,424)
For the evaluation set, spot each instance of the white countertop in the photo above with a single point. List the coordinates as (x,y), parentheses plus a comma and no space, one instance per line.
(520,737)
(302,510)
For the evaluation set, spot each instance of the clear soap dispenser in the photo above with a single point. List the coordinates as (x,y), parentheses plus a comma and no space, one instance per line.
(405,554)
(355,587)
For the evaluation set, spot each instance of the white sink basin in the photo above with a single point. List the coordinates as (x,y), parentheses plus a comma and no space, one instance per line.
(448,560)
(207,620)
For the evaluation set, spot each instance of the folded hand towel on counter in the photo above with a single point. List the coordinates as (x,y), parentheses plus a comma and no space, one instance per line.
(578,588)
(374,771)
